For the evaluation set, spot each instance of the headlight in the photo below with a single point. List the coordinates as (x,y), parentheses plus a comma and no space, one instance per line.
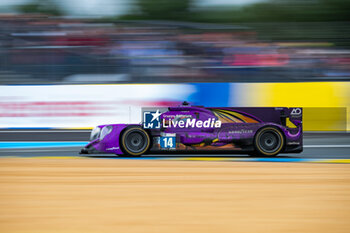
(105,131)
(95,133)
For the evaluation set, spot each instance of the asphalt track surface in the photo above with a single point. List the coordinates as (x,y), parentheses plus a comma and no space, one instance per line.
(316,145)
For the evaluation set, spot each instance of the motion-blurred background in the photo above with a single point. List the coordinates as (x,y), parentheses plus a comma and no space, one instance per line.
(212,52)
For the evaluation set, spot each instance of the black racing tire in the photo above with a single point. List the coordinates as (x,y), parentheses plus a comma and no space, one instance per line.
(268,141)
(135,141)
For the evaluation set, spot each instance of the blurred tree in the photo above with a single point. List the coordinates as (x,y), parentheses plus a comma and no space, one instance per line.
(40,6)
(165,9)
(263,11)
(280,11)
(336,10)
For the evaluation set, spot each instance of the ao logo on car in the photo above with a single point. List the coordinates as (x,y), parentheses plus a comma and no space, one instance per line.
(296,111)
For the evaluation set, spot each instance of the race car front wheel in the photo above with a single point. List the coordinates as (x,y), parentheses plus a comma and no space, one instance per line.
(268,141)
(135,141)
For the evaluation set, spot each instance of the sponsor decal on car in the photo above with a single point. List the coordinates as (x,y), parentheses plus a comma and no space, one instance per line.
(191,123)
(293,143)
(151,119)
(241,131)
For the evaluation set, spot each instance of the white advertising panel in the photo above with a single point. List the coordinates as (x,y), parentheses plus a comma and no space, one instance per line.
(83,106)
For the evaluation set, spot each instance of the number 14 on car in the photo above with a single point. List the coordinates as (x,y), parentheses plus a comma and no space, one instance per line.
(168,142)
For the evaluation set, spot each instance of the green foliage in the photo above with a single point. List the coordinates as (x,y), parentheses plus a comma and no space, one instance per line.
(292,11)
(40,7)
(164,9)
(265,11)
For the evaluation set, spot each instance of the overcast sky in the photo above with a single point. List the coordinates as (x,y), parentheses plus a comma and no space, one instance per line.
(113,7)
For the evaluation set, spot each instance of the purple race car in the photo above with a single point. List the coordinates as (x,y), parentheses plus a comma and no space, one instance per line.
(263,131)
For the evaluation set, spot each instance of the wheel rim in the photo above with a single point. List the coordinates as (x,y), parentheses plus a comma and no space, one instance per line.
(270,142)
(135,142)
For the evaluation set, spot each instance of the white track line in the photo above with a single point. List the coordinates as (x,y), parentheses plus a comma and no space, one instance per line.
(326,146)
(71,148)
(46,131)
(40,150)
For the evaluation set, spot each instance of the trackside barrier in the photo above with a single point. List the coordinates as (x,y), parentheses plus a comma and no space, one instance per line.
(326,104)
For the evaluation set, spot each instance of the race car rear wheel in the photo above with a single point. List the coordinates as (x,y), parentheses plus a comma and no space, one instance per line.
(135,141)
(268,141)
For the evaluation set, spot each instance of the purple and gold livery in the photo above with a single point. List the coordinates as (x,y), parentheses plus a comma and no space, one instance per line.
(263,131)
